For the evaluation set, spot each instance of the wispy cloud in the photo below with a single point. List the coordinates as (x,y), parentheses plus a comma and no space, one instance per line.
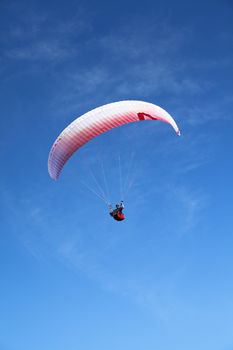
(47,50)
(143,64)
(153,299)
(190,208)
(43,37)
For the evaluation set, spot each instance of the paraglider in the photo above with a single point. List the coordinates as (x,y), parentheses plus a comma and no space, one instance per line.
(117,213)
(96,122)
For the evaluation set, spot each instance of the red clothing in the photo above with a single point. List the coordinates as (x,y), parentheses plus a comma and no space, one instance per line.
(119,216)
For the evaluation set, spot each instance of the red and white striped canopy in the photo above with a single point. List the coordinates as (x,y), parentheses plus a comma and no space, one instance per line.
(98,121)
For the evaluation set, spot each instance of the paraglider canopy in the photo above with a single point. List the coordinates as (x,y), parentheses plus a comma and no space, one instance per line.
(98,121)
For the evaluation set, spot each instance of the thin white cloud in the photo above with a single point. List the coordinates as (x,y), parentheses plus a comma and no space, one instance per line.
(43,38)
(147,297)
(47,50)
(189,209)
(131,64)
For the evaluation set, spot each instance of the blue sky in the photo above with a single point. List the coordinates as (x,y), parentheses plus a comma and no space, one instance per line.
(72,278)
